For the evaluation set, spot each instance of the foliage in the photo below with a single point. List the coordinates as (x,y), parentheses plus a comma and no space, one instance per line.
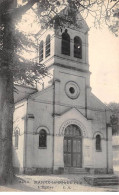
(114,119)
(22,69)
(47,12)
(100,11)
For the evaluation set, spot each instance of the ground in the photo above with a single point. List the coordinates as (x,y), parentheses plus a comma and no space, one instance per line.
(54,183)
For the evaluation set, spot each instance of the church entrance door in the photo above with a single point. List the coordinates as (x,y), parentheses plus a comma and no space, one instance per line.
(72,146)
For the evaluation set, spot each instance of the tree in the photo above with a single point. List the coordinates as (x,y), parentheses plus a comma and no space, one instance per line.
(13,68)
(114,119)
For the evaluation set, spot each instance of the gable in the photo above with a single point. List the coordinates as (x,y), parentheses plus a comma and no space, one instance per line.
(73,112)
(74,116)
(70,110)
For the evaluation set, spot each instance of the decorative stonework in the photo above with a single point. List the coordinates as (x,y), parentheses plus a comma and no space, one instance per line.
(75,122)
(72,90)
(42,127)
(98,133)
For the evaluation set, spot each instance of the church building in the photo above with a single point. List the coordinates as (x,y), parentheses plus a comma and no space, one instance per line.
(62,127)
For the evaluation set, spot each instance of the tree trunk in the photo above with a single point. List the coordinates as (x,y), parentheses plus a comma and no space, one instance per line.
(6,128)
(6,102)
(9,13)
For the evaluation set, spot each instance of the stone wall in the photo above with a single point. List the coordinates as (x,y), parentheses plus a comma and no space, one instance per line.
(20,125)
(115,142)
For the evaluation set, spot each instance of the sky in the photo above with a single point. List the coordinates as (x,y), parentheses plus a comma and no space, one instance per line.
(103,61)
(104,64)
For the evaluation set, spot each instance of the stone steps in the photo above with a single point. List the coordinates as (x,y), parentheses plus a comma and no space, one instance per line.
(73,170)
(102,181)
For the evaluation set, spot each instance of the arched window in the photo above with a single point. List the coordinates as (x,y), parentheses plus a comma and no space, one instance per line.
(16,138)
(41,51)
(42,139)
(72,131)
(77,47)
(47,51)
(66,43)
(98,142)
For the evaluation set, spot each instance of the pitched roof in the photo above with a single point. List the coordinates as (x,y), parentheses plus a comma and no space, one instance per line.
(22,92)
(70,20)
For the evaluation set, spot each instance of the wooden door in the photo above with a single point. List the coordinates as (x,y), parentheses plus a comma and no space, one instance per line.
(72,152)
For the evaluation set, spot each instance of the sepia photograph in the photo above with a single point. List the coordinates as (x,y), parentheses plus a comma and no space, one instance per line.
(59,96)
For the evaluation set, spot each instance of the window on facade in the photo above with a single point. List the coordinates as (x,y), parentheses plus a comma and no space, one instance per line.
(77,47)
(66,43)
(42,139)
(98,142)
(16,138)
(47,46)
(41,51)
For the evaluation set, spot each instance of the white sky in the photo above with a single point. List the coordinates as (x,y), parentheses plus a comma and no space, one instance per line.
(103,60)
(104,64)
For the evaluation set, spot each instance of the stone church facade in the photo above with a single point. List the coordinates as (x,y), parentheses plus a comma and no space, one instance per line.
(63,125)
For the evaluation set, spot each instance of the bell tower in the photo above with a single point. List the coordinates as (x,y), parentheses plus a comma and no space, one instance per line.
(64,51)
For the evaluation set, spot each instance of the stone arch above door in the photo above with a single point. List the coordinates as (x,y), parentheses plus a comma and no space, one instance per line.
(75,122)
(72,131)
